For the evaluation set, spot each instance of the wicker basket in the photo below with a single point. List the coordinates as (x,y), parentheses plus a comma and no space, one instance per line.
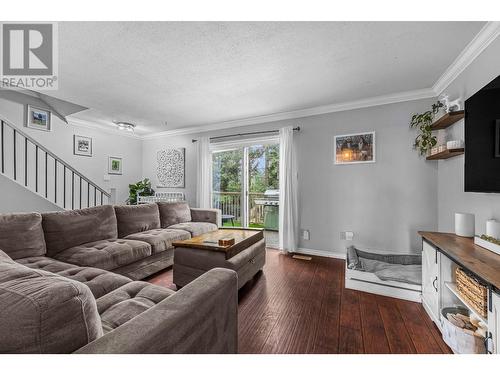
(472,291)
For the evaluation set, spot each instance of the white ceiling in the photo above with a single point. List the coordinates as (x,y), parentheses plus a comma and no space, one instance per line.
(197,73)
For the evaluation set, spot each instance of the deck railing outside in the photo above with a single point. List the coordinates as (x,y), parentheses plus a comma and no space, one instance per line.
(230,204)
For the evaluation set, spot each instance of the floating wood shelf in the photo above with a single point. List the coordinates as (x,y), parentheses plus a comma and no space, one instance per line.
(447,120)
(446,154)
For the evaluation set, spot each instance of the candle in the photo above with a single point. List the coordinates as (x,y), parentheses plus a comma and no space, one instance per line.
(493,228)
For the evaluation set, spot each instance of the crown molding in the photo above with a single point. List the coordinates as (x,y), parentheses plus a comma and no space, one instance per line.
(481,41)
(478,44)
(104,127)
(306,112)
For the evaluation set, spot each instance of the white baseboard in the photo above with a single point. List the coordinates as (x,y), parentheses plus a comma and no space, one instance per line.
(322,253)
(384,290)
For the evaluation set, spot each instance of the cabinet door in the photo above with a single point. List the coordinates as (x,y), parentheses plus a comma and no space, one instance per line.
(430,282)
(494,325)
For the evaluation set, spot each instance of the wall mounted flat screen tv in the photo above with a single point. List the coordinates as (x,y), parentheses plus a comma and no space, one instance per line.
(482,140)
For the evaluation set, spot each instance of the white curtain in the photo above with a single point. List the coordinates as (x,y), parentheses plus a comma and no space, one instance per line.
(203,182)
(288,208)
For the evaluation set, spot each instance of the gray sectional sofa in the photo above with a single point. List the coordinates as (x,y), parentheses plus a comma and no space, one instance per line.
(135,241)
(66,284)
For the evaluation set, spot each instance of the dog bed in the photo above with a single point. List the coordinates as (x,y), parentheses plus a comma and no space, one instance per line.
(394,275)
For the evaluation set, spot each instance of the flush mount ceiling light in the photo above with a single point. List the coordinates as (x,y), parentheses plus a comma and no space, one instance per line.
(127,126)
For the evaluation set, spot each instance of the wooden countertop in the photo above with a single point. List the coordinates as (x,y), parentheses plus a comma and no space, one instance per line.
(463,251)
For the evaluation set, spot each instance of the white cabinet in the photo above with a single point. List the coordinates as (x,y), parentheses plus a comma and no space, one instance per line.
(430,281)
(494,324)
(439,288)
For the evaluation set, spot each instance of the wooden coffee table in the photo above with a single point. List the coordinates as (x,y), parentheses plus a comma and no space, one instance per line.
(199,254)
(243,238)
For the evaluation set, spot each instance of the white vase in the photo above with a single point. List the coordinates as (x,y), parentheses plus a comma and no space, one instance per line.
(464,224)
(440,113)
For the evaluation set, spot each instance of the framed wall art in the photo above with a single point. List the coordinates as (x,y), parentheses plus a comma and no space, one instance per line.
(354,148)
(170,169)
(38,118)
(82,145)
(115,165)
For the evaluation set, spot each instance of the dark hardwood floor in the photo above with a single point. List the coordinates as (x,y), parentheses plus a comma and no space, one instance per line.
(298,306)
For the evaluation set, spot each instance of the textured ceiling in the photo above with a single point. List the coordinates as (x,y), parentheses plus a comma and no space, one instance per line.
(196,73)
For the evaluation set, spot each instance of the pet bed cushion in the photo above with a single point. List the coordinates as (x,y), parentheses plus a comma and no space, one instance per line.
(405,268)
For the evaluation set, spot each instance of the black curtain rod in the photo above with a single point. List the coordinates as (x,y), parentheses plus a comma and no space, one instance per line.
(244,134)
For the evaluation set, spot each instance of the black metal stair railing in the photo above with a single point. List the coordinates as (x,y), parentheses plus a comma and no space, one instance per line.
(32,165)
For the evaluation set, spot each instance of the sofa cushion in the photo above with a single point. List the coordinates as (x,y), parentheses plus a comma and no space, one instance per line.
(21,235)
(3,255)
(160,239)
(45,264)
(105,254)
(42,312)
(208,215)
(134,219)
(125,303)
(173,213)
(195,228)
(72,228)
(99,281)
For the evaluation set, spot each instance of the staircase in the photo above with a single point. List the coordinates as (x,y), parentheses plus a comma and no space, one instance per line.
(33,166)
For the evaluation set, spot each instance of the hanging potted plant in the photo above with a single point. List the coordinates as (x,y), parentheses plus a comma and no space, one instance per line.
(425,140)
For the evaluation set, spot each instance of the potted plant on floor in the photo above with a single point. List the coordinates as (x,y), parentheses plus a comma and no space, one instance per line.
(141,188)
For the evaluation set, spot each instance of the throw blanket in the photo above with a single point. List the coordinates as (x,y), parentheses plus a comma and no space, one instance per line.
(391,267)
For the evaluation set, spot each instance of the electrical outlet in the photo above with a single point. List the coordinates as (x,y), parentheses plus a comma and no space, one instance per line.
(347,235)
(305,234)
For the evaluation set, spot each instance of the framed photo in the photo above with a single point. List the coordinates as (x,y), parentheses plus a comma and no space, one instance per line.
(38,118)
(115,165)
(354,148)
(82,145)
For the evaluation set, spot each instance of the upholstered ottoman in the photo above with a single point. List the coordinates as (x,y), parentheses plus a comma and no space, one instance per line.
(194,257)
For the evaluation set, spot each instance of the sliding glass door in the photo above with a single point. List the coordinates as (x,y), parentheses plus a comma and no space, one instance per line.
(227,185)
(245,184)
(263,186)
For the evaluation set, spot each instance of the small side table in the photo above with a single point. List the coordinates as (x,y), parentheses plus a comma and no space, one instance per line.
(228,217)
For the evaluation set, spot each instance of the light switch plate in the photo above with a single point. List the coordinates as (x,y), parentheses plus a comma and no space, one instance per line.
(305,234)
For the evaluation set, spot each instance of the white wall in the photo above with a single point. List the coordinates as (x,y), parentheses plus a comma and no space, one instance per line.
(451,196)
(149,163)
(105,144)
(15,198)
(385,203)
